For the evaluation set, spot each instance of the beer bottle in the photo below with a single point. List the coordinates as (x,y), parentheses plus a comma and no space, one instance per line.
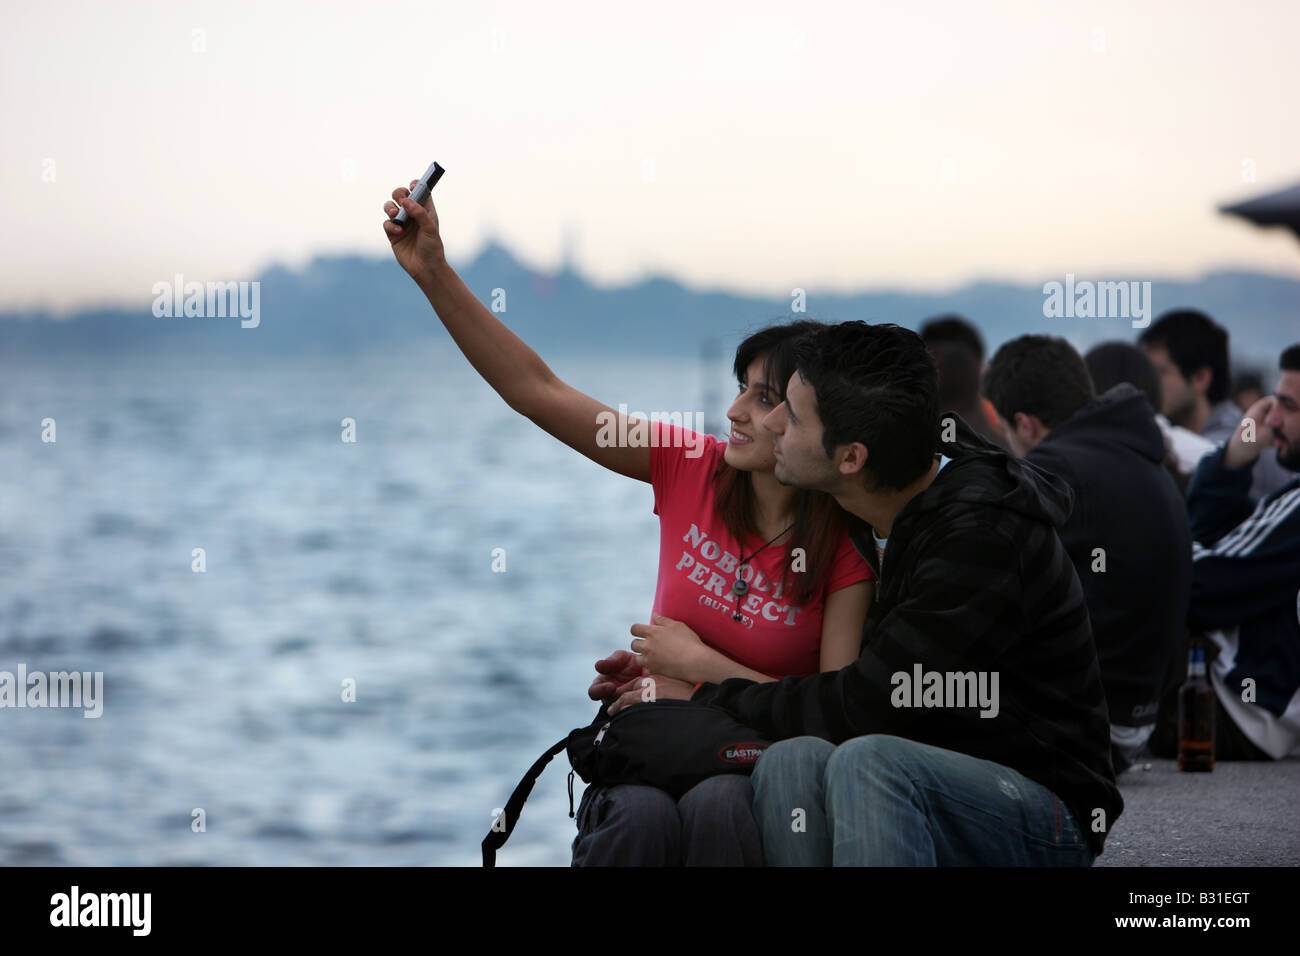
(1196,716)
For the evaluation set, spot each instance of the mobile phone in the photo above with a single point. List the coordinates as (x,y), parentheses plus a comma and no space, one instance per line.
(422,189)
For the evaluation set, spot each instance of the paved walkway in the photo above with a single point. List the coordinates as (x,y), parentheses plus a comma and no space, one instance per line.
(1240,814)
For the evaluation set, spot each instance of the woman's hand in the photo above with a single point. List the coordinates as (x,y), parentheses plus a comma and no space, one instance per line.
(672,649)
(646,690)
(612,673)
(416,244)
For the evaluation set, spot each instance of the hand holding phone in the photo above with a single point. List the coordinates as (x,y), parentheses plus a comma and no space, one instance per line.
(422,189)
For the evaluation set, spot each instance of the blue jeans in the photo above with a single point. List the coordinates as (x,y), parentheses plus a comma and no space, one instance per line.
(886,801)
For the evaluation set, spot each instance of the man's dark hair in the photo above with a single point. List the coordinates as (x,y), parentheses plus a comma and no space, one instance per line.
(1290,360)
(1111,363)
(1193,341)
(1247,381)
(953,328)
(959,374)
(1039,375)
(875,384)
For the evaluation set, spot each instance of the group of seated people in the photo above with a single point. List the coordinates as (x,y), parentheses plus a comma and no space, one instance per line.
(1181,521)
(1217,562)
(891,527)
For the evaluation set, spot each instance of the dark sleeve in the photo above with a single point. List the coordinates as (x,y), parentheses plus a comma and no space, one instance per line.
(962,610)
(1218,498)
(1250,571)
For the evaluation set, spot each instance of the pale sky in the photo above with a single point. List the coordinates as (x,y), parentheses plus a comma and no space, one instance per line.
(746,146)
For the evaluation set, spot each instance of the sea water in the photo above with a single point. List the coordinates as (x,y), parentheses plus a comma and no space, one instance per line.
(315,651)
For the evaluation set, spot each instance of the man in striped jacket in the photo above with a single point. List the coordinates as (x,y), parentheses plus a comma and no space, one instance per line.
(1246,582)
(973,727)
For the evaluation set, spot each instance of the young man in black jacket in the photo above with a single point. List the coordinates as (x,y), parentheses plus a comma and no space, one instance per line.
(1128,533)
(972,729)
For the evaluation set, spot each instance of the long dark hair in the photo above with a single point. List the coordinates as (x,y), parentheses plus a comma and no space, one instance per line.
(818,521)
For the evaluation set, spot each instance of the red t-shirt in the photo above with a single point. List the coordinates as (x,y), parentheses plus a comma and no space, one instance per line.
(698,559)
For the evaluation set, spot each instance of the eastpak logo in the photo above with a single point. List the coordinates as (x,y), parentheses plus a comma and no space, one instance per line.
(741,753)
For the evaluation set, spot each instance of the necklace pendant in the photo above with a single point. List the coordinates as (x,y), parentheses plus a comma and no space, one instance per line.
(740,587)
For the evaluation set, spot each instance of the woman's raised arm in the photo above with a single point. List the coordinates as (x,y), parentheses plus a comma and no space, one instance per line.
(505,361)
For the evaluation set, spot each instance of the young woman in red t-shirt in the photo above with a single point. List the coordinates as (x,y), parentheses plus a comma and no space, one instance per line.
(761,577)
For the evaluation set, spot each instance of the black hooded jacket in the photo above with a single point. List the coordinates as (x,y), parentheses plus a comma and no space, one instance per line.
(974,579)
(1130,542)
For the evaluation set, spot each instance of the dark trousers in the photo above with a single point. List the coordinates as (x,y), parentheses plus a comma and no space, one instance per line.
(627,825)
(1229,742)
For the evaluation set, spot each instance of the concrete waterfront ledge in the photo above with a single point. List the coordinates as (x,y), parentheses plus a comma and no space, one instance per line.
(1240,814)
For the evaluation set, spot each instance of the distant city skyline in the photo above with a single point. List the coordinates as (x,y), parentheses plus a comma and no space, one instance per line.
(745,147)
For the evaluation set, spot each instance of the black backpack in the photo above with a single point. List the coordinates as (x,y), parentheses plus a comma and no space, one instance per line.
(669,744)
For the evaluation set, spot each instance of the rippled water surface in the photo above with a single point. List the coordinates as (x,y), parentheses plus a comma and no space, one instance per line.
(325,561)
